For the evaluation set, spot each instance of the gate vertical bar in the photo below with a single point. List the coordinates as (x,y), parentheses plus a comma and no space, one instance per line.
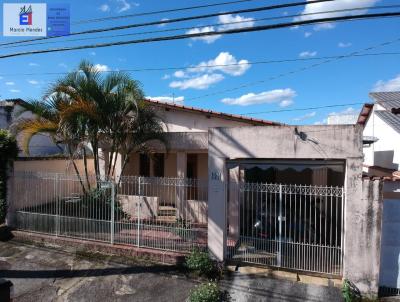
(56,180)
(112,211)
(342,230)
(280,227)
(138,211)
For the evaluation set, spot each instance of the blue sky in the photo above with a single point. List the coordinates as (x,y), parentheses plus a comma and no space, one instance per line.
(343,81)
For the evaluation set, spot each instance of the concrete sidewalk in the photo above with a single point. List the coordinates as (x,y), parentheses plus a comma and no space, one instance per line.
(43,274)
(51,274)
(261,284)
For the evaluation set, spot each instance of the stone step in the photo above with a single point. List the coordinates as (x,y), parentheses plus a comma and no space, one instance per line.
(166,219)
(166,211)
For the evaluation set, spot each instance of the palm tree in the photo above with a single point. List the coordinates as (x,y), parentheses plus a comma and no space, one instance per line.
(45,119)
(85,109)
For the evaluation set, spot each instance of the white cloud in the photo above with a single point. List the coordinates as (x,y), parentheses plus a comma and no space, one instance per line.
(124,5)
(344,44)
(305,116)
(63,65)
(206,39)
(389,85)
(330,6)
(238,22)
(282,96)
(166,77)
(201,82)
(101,68)
(163,24)
(307,54)
(92,53)
(202,75)
(347,111)
(33,64)
(168,99)
(224,58)
(180,74)
(307,34)
(15,90)
(33,82)
(286,103)
(322,122)
(346,116)
(104,8)
(10,83)
(1,78)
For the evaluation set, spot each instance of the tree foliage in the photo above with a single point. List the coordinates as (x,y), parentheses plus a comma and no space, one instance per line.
(8,152)
(85,111)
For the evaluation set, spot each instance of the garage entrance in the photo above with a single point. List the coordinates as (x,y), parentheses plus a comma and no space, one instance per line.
(287,215)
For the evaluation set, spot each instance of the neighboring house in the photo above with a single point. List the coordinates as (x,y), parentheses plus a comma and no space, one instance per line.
(40,145)
(187,135)
(381,147)
(381,121)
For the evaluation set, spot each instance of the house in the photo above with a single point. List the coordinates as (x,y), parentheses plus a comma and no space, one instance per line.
(381,148)
(187,134)
(40,145)
(381,122)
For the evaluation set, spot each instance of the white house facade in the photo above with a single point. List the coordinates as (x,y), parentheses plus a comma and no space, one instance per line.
(381,133)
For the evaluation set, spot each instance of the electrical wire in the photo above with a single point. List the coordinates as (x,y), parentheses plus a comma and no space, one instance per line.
(171,10)
(295,70)
(211,33)
(203,26)
(208,66)
(248,10)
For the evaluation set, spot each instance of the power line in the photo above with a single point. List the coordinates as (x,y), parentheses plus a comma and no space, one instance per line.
(203,26)
(171,10)
(356,53)
(92,31)
(303,109)
(209,66)
(211,33)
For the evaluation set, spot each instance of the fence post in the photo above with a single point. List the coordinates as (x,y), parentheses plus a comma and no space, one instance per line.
(56,194)
(138,212)
(11,215)
(280,227)
(112,211)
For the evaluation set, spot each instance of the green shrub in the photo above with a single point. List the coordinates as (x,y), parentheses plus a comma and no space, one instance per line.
(208,292)
(350,292)
(201,263)
(8,152)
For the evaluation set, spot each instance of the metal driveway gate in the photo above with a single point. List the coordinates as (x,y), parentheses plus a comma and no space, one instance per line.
(296,227)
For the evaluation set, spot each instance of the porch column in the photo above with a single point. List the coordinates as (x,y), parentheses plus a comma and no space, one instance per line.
(103,161)
(217,196)
(181,159)
(233,205)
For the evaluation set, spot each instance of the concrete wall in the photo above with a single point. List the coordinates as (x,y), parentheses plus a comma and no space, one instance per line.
(52,165)
(363,238)
(184,121)
(340,142)
(390,248)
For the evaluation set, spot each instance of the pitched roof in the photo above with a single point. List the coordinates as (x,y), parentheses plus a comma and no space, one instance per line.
(388,100)
(365,113)
(389,118)
(228,116)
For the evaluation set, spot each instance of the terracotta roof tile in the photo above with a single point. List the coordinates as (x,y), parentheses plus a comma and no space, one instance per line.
(229,116)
